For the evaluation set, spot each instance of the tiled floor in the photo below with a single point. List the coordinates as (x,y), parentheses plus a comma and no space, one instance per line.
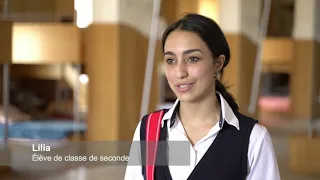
(281,145)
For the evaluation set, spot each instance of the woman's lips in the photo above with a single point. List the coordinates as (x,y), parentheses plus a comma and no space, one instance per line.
(184,87)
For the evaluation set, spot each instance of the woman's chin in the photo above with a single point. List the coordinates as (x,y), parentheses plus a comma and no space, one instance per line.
(186,97)
(191,97)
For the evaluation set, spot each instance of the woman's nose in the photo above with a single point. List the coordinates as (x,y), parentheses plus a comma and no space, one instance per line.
(181,71)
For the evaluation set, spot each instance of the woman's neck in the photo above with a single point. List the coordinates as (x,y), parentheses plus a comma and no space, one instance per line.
(206,111)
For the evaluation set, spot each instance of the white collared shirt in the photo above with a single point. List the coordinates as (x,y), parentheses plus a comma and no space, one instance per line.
(262,162)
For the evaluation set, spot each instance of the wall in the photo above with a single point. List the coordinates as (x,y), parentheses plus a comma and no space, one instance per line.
(39,9)
(116,48)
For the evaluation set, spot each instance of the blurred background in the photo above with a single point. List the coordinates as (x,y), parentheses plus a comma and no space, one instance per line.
(86,70)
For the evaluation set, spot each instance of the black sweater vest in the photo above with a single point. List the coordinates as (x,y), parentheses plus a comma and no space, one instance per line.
(225,159)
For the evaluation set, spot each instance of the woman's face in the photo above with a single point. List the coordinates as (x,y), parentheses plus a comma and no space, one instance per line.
(189,66)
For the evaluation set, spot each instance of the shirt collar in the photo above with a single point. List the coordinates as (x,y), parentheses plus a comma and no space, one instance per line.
(227,113)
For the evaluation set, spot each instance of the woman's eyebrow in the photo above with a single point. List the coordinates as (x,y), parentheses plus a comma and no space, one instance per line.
(184,52)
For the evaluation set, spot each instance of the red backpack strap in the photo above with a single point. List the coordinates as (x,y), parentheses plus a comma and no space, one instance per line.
(153,126)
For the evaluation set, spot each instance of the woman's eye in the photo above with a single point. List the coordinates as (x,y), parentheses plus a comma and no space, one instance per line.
(169,61)
(193,59)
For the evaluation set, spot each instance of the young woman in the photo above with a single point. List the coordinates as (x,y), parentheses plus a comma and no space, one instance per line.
(225,144)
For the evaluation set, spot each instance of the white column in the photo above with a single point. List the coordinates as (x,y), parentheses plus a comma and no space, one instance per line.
(209,8)
(136,14)
(106,11)
(306,33)
(240,16)
(307,20)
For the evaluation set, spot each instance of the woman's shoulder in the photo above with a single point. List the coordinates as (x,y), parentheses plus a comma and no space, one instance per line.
(258,132)
(260,142)
(154,115)
(257,129)
(157,113)
(246,123)
(245,118)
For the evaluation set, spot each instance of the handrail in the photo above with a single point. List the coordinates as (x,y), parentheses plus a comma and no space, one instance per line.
(150,58)
(6,87)
(258,64)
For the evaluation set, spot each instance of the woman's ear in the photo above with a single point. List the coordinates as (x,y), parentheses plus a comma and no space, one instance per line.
(220,62)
